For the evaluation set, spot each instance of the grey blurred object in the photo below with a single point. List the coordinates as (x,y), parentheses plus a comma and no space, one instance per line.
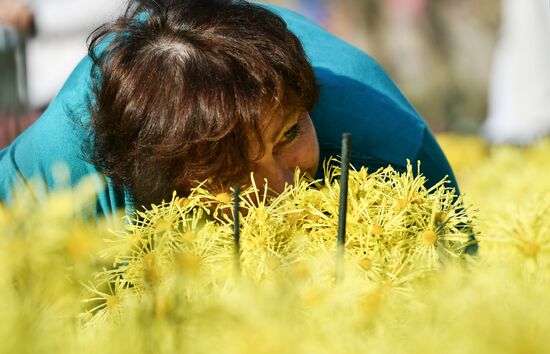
(36,60)
(13,83)
(519,89)
(62,27)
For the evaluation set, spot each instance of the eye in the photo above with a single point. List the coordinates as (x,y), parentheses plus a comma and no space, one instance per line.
(291,134)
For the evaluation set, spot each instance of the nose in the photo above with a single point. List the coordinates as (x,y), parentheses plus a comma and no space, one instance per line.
(275,171)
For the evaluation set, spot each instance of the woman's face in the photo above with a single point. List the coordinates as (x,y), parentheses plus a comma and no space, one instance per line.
(290,142)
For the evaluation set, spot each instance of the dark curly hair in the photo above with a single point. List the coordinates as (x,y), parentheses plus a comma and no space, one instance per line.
(180,90)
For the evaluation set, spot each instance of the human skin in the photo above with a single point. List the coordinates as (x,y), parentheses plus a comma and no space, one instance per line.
(17,14)
(290,143)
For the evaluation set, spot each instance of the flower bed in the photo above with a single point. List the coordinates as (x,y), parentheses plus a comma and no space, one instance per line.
(169,280)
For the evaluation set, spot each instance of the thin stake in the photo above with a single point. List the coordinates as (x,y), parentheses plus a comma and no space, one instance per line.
(343,207)
(236,230)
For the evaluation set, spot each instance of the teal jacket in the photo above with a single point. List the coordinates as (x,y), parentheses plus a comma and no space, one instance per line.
(356,95)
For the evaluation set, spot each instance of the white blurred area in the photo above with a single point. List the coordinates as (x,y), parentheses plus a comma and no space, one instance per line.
(519,89)
(62,27)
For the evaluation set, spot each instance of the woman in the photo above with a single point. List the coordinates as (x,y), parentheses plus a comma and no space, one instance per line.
(184,90)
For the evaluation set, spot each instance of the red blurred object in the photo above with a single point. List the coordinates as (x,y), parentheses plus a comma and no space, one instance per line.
(409,8)
(11,126)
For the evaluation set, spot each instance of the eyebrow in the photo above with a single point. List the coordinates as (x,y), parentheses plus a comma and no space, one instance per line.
(283,124)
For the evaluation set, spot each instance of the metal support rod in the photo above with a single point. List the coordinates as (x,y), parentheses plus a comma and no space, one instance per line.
(236,230)
(343,206)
